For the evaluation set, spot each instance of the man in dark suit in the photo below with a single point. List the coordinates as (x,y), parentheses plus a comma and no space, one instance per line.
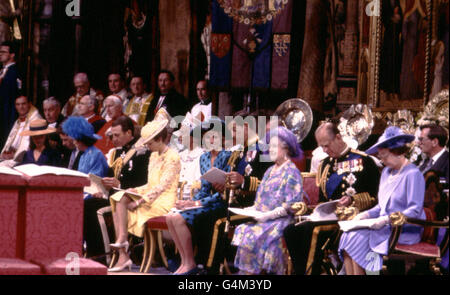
(9,88)
(52,113)
(70,155)
(167,97)
(432,141)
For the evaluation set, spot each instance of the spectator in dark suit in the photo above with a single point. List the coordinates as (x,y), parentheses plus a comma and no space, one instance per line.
(432,141)
(70,155)
(9,88)
(54,118)
(167,97)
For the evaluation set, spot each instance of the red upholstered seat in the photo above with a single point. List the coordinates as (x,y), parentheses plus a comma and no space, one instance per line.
(311,189)
(13,266)
(157,223)
(422,249)
(427,246)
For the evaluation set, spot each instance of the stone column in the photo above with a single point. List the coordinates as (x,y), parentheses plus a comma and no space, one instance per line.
(175,28)
(5,11)
(310,86)
(350,61)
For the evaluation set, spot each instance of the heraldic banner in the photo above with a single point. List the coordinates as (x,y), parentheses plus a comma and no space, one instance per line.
(250,43)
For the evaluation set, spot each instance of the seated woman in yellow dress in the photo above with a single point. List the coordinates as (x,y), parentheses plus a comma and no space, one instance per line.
(131,212)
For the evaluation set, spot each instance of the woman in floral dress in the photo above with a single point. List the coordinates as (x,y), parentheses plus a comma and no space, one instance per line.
(260,248)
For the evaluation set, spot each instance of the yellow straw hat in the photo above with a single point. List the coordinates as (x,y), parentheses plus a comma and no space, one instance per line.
(150,130)
(162,114)
(38,127)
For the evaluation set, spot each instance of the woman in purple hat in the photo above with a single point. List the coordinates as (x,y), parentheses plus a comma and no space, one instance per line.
(401,189)
(259,244)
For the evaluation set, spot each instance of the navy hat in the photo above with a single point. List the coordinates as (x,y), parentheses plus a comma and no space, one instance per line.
(393,137)
(214,123)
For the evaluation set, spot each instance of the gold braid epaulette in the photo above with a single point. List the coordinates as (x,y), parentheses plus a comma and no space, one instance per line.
(233,158)
(118,164)
(363,201)
(254,183)
(358,152)
(111,158)
(321,177)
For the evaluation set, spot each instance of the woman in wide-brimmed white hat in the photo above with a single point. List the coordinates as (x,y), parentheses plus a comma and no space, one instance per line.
(39,151)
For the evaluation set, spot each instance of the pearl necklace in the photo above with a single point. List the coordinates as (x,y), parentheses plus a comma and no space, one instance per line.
(393,177)
(275,168)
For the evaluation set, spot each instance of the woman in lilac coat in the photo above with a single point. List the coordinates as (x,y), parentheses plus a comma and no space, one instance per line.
(402,189)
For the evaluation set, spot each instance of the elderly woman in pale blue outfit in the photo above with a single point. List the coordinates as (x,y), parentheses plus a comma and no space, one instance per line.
(260,248)
(402,189)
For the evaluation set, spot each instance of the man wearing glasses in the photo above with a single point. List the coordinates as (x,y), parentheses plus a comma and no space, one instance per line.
(432,141)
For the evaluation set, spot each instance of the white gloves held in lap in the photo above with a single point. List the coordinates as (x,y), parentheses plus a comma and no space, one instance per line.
(273,214)
(379,223)
(361,216)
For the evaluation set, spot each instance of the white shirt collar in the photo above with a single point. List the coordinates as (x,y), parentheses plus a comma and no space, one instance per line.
(144,95)
(438,155)
(91,116)
(8,65)
(122,93)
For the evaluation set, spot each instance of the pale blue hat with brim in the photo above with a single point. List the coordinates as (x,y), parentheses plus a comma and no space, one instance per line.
(393,137)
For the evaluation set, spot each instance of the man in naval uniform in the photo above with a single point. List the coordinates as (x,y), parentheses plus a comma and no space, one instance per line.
(346,175)
(127,168)
(247,169)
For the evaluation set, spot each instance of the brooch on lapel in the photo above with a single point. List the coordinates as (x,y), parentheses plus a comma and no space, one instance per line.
(248,170)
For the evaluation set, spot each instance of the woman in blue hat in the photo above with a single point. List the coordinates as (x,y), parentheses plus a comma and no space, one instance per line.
(92,160)
(401,189)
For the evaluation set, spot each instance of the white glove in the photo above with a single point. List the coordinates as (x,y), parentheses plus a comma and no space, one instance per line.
(361,216)
(273,214)
(381,222)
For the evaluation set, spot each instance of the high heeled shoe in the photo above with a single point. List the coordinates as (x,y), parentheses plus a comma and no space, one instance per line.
(120,245)
(127,264)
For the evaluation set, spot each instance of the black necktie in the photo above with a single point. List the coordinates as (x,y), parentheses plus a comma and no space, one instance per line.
(426,165)
(204,102)
(77,160)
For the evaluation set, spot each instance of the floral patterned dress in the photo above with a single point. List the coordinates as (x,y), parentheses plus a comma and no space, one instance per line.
(259,244)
